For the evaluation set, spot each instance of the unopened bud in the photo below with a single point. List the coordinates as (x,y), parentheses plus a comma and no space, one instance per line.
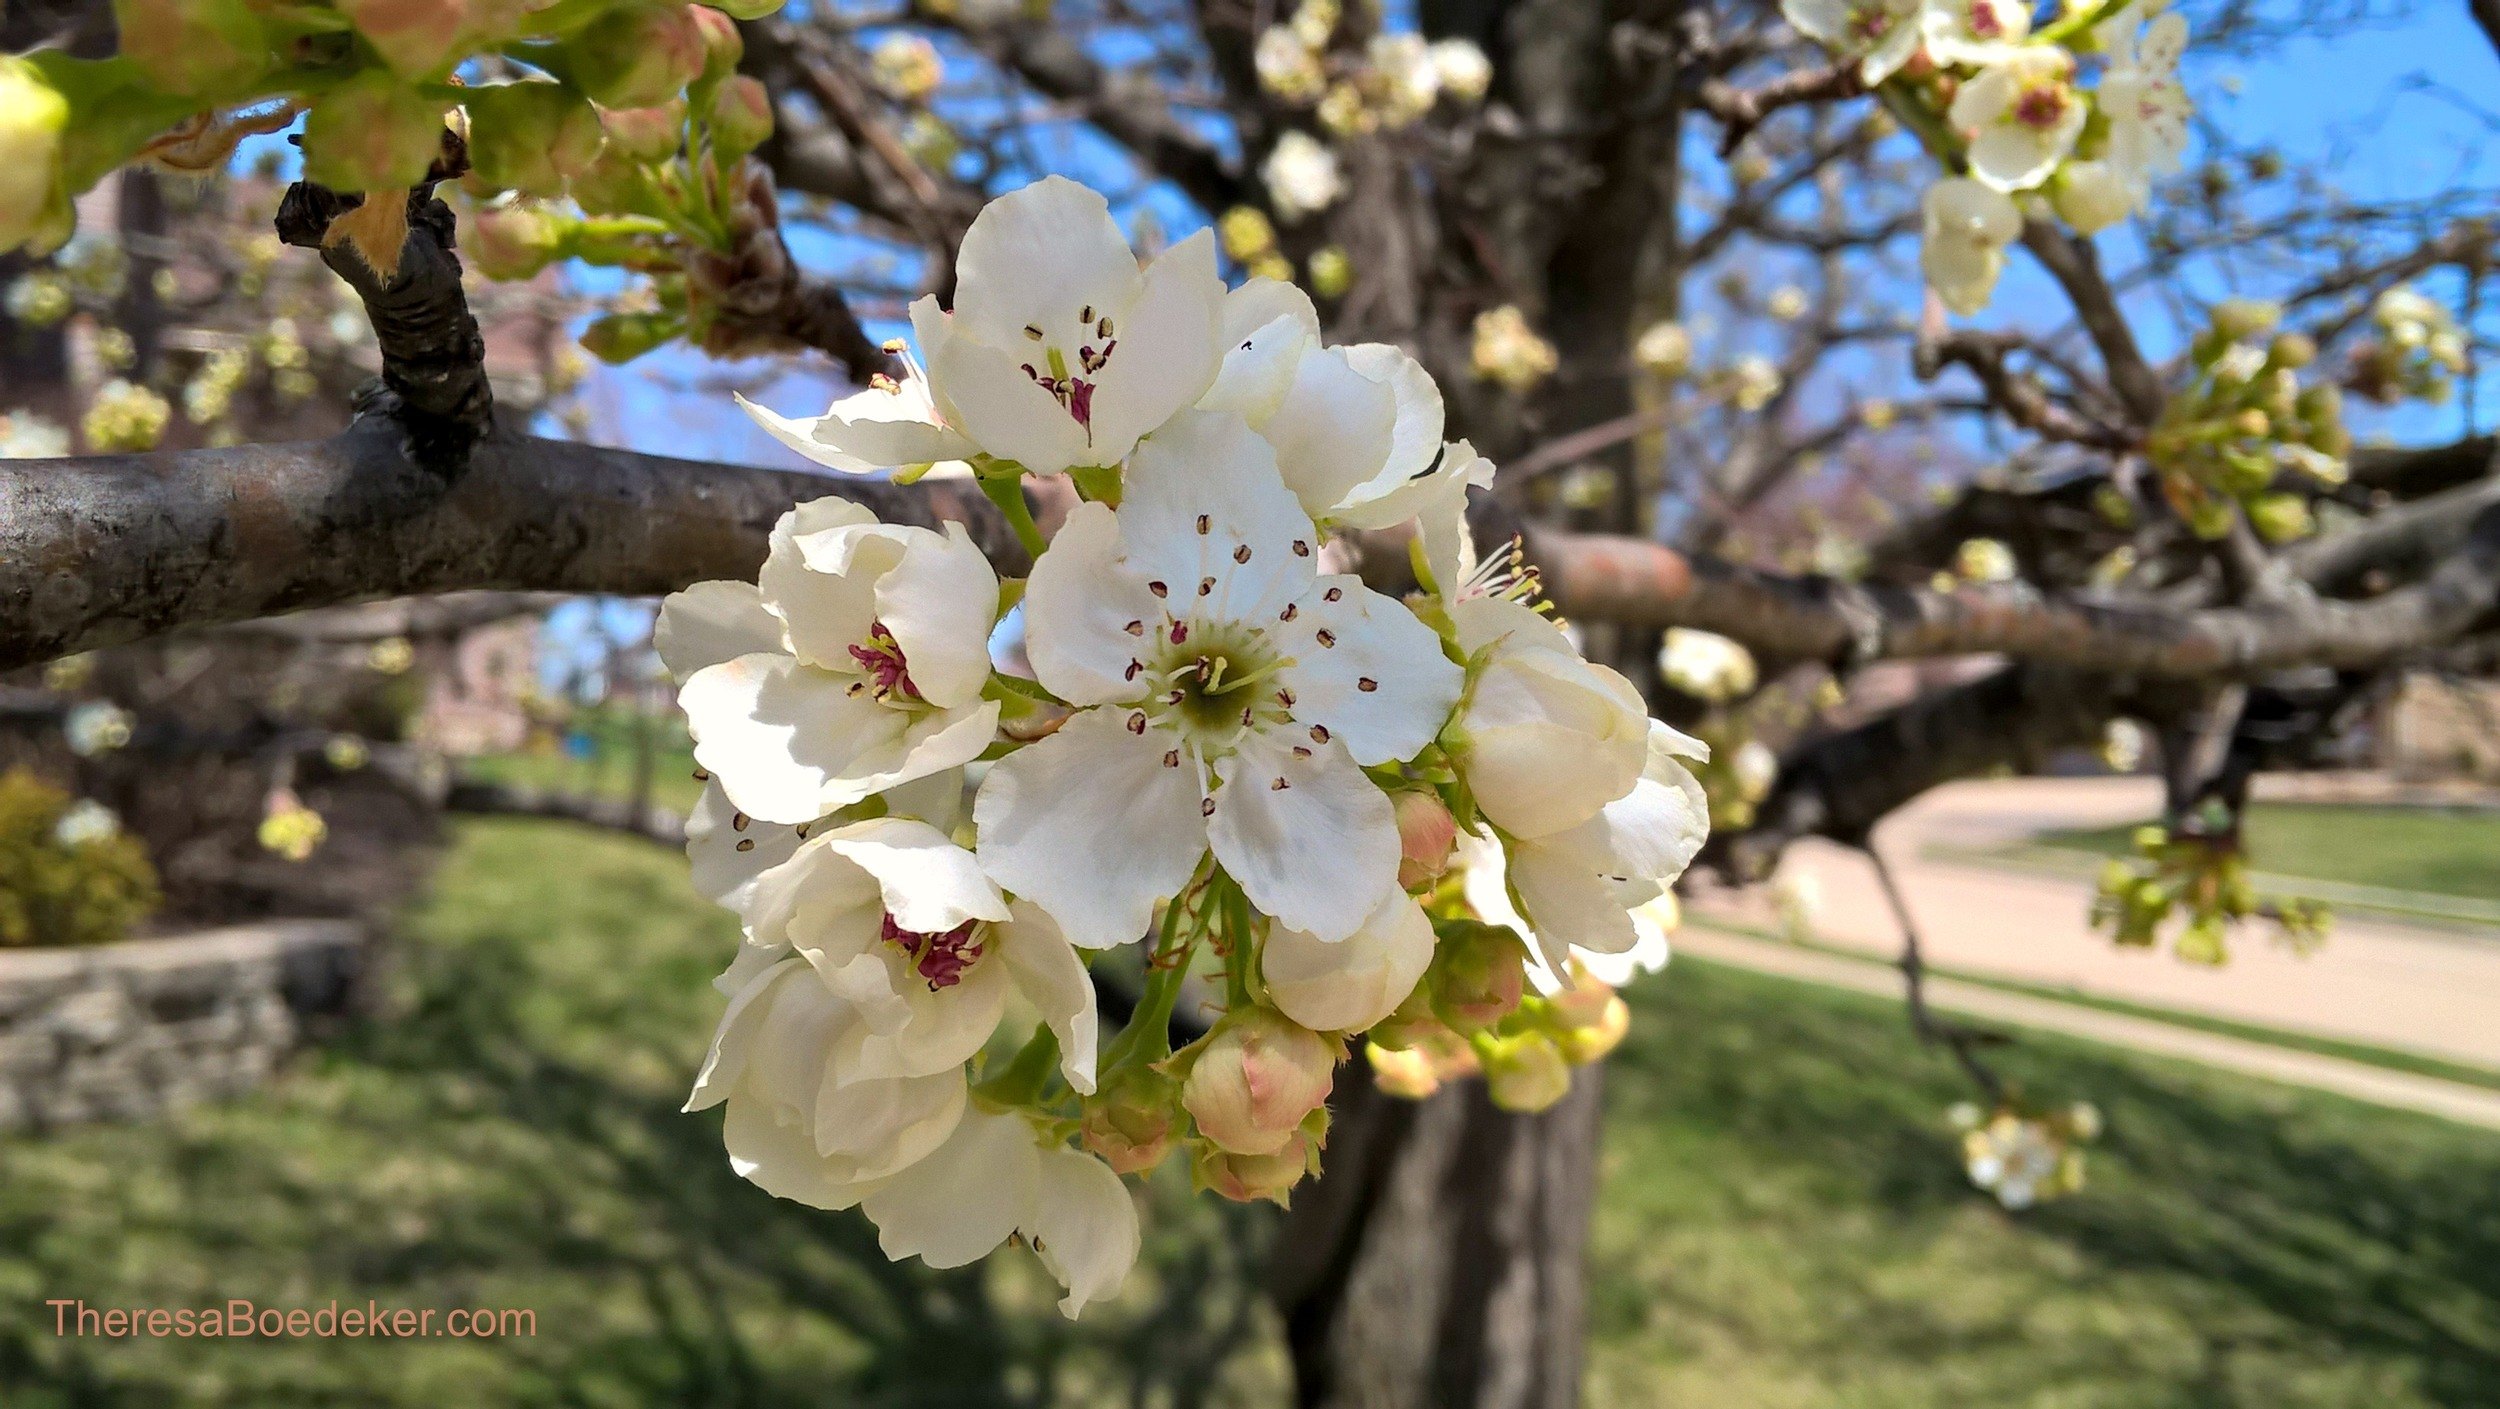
(2252,423)
(723,46)
(33,115)
(1478,977)
(195,48)
(417,38)
(513,242)
(1427,834)
(1403,1072)
(2293,350)
(1130,1121)
(2241,318)
(532,137)
(1258,1076)
(1244,1178)
(622,337)
(370,133)
(2280,518)
(646,134)
(638,56)
(1526,1074)
(1585,1042)
(742,116)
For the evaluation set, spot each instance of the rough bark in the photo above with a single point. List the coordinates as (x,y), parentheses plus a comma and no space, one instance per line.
(1439,1261)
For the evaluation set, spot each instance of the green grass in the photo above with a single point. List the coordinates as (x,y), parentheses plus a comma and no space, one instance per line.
(1783,1221)
(2363,1053)
(2443,851)
(608,771)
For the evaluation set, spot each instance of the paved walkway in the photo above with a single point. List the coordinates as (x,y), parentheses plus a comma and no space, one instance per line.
(2454,1100)
(2431,991)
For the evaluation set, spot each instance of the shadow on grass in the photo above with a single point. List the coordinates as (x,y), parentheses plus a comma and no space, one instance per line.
(1780,1150)
(513,1139)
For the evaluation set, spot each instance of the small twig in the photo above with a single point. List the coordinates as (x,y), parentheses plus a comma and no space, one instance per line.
(1961,1040)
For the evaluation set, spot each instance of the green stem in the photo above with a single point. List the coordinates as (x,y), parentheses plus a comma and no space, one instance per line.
(1020,1082)
(2083,18)
(1914,115)
(1007,492)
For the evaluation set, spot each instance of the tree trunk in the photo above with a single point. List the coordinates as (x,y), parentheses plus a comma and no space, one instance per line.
(1439,1264)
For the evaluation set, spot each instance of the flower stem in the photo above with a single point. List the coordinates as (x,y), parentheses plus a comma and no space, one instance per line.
(1007,492)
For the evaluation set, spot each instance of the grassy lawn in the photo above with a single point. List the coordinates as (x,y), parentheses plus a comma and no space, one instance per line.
(1783,1223)
(2445,851)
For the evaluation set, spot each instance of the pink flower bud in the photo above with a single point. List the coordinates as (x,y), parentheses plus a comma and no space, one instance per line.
(417,38)
(646,134)
(742,116)
(1478,977)
(1405,1073)
(372,134)
(638,55)
(1243,1178)
(1426,835)
(1256,1078)
(531,137)
(1583,1004)
(723,46)
(1526,1074)
(196,48)
(513,242)
(1130,1123)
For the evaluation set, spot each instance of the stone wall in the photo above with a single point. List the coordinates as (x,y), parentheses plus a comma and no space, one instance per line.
(126,1031)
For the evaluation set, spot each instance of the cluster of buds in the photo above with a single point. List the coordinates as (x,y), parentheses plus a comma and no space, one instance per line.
(2197,872)
(2245,436)
(1509,352)
(2417,350)
(2024,1157)
(1386,82)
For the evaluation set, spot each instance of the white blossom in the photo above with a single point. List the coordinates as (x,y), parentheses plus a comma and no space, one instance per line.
(1967,227)
(1547,739)
(1287,67)
(2095,194)
(996,1177)
(2021,117)
(893,425)
(1880,34)
(1706,665)
(1356,429)
(856,663)
(2146,105)
(1059,351)
(98,726)
(1578,890)
(1465,73)
(1302,176)
(85,821)
(1974,32)
(1229,696)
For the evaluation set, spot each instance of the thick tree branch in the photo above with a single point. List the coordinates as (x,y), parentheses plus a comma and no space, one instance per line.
(99,551)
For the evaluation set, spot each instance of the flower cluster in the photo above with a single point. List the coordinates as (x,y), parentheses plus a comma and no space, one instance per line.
(1230,764)
(1390,81)
(2004,105)
(2417,350)
(2197,871)
(2023,1157)
(2245,436)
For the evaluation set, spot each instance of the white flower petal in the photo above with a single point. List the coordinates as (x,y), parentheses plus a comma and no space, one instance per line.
(940,601)
(1310,839)
(1052,978)
(725,1065)
(819,577)
(1258,550)
(1168,348)
(1416,436)
(1032,258)
(963,1200)
(1357,981)
(938,1028)
(1569,905)
(1259,366)
(1078,606)
(1083,1225)
(711,622)
(776,1155)
(790,743)
(1260,302)
(1005,411)
(1382,684)
(927,883)
(1332,431)
(1091,826)
(873,1129)
(1653,832)
(727,850)
(868,432)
